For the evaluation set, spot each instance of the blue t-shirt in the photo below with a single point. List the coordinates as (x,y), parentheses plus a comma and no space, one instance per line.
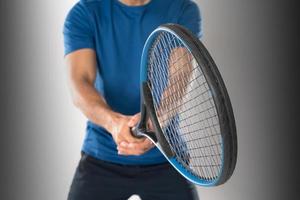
(117,33)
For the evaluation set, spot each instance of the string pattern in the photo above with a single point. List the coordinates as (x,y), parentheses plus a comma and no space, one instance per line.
(184,106)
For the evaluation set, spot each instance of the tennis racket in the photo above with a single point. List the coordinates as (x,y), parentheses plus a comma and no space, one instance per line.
(185,99)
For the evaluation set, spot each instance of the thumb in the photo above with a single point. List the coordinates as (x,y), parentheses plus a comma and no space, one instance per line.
(134,120)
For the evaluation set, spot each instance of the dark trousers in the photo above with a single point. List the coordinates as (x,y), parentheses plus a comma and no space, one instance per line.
(99,180)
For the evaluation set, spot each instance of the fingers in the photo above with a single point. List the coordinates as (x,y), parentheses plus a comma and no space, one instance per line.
(127,144)
(135,148)
(126,135)
(126,132)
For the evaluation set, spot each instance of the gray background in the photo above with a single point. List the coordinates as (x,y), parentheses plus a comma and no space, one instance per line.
(252,42)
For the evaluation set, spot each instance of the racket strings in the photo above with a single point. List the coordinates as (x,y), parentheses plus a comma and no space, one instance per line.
(197,156)
(185,107)
(180,156)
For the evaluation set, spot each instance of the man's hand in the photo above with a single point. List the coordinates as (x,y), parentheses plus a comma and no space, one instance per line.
(82,68)
(126,143)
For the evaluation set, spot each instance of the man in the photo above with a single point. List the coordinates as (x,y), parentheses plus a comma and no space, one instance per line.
(103,45)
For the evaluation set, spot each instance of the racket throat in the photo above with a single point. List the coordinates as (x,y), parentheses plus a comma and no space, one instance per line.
(148,112)
(141,129)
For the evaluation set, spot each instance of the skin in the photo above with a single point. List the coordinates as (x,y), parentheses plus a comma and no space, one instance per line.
(81,70)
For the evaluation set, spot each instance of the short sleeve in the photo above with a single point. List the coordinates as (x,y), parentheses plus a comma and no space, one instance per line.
(77,30)
(191,18)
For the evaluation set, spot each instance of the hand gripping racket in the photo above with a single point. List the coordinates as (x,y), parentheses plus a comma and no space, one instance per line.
(184,97)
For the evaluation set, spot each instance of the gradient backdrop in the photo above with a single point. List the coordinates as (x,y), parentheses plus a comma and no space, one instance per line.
(255,45)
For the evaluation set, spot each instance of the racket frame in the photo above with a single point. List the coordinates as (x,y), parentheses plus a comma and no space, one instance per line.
(196,48)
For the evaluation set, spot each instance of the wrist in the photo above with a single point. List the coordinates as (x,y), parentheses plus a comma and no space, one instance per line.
(112,122)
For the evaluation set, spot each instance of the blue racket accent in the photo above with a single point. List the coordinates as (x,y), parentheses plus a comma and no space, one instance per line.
(192,178)
(144,59)
(188,174)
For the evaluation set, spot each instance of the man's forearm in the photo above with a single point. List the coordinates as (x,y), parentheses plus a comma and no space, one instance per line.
(93,105)
(82,70)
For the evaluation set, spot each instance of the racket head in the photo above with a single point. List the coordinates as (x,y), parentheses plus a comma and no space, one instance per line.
(194,160)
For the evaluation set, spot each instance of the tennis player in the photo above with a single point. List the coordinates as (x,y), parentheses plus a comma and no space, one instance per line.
(103,45)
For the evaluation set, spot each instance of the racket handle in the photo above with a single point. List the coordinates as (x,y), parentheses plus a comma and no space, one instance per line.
(136,132)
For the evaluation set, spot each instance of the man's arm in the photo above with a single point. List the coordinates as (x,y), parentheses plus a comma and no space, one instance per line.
(82,68)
